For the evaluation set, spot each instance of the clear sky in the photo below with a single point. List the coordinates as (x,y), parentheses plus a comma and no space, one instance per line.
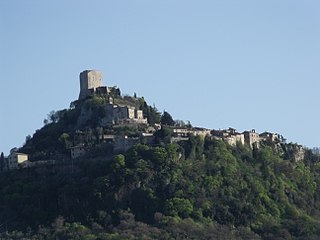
(243,64)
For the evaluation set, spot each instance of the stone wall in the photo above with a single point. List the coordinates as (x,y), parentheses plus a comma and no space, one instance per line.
(89,79)
(15,159)
(251,137)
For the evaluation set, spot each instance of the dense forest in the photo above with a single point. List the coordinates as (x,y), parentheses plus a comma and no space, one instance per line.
(195,189)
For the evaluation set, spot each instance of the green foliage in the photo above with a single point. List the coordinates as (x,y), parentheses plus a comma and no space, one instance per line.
(166,119)
(178,207)
(81,124)
(163,135)
(200,189)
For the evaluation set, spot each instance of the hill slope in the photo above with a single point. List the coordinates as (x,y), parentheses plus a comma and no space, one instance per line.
(200,189)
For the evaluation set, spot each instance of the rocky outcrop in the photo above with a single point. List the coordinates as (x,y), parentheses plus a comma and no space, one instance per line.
(293,152)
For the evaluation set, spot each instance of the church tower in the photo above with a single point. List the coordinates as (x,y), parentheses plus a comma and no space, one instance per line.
(89,80)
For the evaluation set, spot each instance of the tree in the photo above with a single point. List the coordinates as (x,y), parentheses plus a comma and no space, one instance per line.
(1,162)
(153,115)
(166,119)
(178,207)
(64,139)
(115,92)
(28,138)
(52,116)
(163,135)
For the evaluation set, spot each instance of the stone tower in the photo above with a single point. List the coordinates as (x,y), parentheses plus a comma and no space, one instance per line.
(89,80)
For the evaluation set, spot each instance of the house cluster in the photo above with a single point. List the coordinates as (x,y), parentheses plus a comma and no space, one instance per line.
(251,138)
(122,143)
(231,136)
(123,115)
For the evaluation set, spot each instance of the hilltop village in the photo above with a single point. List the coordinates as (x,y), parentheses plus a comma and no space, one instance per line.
(104,116)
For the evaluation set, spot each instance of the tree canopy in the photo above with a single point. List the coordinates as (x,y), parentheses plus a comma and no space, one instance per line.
(166,119)
(200,189)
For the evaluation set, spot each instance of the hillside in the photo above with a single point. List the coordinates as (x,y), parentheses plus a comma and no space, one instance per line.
(201,189)
(86,123)
(159,186)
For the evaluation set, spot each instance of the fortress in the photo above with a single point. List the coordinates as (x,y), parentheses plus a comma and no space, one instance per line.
(90,85)
(115,114)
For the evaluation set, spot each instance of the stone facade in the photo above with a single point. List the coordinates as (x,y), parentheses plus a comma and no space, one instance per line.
(124,143)
(251,137)
(90,80)
(123,112)
(90,85)
(233,139)
(77,151)
(130,115)
(15,159)
(201,132)
(230,136)
(114,115)
(273,137)
(181,132)
(185,132)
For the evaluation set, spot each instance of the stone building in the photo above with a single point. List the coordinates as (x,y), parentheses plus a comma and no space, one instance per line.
(123,112)
(234,139)
(90,80)
(268,136)
(186,132)
(15,159)
(223,133)
(128,115)
(201,132)
(251,137)
(181,131)
(230,136)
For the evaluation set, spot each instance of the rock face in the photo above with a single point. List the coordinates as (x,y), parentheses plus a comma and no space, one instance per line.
(290,151)
(294,152)
(299,153)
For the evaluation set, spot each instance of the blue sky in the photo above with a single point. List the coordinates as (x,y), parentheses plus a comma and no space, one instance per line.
(243,64)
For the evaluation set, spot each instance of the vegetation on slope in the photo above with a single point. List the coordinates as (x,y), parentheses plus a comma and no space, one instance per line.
(66,128)
(200,189)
